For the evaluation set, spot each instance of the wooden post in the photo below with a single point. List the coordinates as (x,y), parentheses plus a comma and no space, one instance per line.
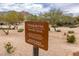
(35,51)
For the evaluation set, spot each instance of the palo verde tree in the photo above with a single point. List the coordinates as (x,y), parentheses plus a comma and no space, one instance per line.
(56,17)
(32,17)
(53,16)
(12,18)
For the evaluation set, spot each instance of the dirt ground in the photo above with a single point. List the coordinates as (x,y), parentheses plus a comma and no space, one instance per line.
(58,45)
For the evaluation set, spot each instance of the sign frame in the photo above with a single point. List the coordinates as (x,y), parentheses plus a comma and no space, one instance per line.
(36,34)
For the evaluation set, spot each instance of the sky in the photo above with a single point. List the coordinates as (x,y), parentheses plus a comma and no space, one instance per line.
(36,8)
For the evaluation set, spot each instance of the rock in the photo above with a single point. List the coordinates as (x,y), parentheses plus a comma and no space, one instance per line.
(76,53)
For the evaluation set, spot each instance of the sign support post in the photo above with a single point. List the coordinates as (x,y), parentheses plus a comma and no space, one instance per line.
(35,51)
(36,34)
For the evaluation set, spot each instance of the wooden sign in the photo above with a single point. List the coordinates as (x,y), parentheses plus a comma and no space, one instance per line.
(36,33)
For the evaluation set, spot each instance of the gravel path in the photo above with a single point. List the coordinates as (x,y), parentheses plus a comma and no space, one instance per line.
(57,43)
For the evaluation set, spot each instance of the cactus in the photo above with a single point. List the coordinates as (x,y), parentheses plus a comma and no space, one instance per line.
(9,48)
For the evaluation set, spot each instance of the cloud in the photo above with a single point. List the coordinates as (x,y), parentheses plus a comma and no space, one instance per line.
(73,8)
(32,8)
(37,8)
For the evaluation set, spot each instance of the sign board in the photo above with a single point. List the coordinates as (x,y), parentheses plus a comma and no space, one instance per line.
(36,33)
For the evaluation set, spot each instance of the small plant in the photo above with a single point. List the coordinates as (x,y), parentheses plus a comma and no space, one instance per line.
(58,30)
(70,32)
(9,48)
(71,39)
(20,30)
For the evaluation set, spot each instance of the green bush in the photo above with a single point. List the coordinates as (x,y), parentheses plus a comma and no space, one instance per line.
(58,30)
(71,39)
(70,32)
(20,30)
(54,26)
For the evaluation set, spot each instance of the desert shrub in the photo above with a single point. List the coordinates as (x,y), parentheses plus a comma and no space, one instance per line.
(70,32)
(9,48)
(58,30)
(72,26)
(20,30)
(54,26)
(71,39)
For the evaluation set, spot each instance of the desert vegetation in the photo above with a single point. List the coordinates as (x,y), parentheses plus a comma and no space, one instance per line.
(9,48)
(56,18)
(11,18)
